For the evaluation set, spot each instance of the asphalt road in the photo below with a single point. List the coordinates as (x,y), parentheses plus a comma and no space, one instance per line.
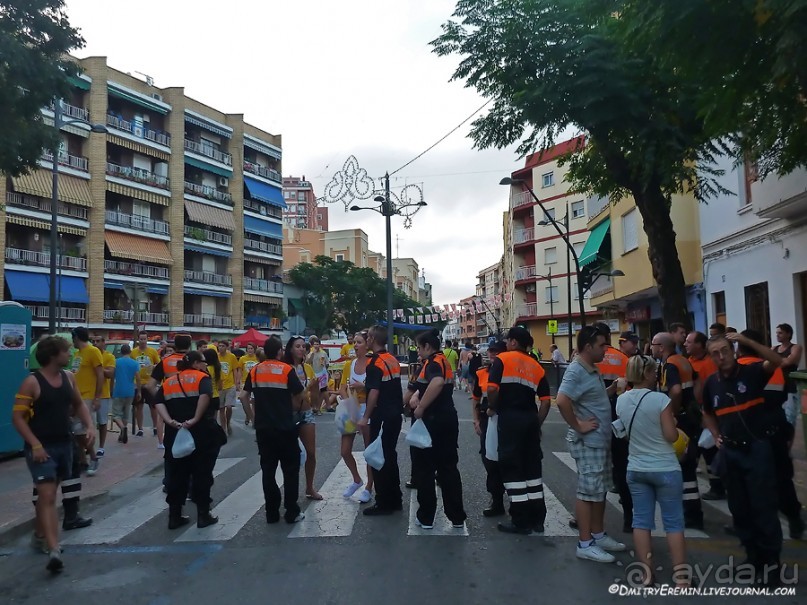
(337,555)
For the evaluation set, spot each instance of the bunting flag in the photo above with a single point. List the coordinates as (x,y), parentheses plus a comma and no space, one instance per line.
(443,315)
(453,306)
(427,319)
(420,319)
(435,318)
(411,319)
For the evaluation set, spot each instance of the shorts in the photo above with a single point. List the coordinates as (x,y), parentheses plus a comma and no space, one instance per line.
(594,477)
(664,487)
(101,415)
(57,467)
(306,417)
(146,397)
(121,407)
(323,381)
(227,397)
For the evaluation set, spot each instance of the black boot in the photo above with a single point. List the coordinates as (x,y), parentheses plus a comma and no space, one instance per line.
(72,518)
(175,517)
(204,519)
(495,508)
(796,526)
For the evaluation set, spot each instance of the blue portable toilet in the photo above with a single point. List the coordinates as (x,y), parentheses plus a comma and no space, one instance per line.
(15,341)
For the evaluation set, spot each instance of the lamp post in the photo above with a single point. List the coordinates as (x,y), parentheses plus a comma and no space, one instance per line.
(58,123)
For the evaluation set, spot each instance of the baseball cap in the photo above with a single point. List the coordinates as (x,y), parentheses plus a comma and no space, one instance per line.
(628,336)
(497,347)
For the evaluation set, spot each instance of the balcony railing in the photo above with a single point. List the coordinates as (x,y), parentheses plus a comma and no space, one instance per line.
(139,223)
(76,162)
(602,285)
(208,151)
(138,175)
(122,316)
(135,269)
(206,235)
(208,321)
(208,277)
(267,173)
(153,318)
(71,111)
(143,132)
(252,244)
(263,285)
(16,256)
(263,209)
(64,314)
(527,310)
(522,236)
(259,321)
(207,192)
(525,272)
(522,198)
(43,205)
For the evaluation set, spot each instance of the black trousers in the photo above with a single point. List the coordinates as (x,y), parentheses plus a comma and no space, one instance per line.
(493,482)
(280,447)
(387,481)
(440,458)
(715,482)
(520,465)
(619,462)
(693,510)
(789,503)
(194,472)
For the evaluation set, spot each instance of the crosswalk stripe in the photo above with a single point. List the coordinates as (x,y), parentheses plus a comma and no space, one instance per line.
(442,526)
(125,520)
(613,499)
(557,517)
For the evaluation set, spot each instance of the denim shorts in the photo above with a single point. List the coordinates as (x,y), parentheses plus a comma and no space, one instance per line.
(664,487)
(306,417)
(56,468)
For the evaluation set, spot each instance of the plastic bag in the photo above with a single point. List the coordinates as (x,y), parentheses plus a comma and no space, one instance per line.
(706,440)
(374,453)
(347,416)
(184,445)
(418,436)
(303,456)
(492,439)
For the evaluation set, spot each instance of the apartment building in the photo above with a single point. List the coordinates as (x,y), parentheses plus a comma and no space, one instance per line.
(467,317)
(177,198)
(301,210)
(489,293)
(304,245)
(406,277)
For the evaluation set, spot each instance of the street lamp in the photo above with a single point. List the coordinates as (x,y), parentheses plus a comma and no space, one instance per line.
(590,278)
(58,123)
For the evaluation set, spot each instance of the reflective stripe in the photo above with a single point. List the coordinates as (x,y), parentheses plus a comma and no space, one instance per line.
(519,380)
(534,496)
(690,484)
(774,387)
(519,498)
(71,483)
(739,407)
(691,497)
(516,485)
(534,482)
(687,385)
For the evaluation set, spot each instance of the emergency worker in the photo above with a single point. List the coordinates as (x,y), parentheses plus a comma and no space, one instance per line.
(479,409)
(515,380)
(430,398)
(183,401)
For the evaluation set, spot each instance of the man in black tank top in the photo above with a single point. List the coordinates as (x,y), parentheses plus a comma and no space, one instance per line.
(41,414)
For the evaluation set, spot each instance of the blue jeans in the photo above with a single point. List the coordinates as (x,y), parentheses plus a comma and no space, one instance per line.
(664,487)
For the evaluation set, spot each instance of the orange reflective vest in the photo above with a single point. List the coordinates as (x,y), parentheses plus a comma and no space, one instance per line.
(181,393)
(614,365)
(170,364)
(270,374)
(775,390)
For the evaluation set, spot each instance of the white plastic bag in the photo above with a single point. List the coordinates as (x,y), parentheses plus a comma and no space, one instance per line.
(303,456)
(418,436)
(374,453)
(184,445)
(492,439)
(347,416)
(706,440)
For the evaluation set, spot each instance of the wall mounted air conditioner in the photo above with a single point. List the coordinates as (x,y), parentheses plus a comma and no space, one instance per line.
(224,181)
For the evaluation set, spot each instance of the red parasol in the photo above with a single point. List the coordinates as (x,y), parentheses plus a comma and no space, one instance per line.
(250,337)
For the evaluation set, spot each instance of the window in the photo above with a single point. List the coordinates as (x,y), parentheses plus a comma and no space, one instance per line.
(340,258)
(288,194)
(630,231)
(548,179)
(550,256)
(552,294)
(586,294)
(578,247)
(301,196)
(578,209)
(719,307)
(140,208)
(757,310)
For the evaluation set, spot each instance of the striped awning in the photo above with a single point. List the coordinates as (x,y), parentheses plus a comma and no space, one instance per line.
(72,189)
(71,128)
(138,147)
(208,124)
(138,194)
(210,215)
(145,249)
(256,256)
(26,221)
(257,299)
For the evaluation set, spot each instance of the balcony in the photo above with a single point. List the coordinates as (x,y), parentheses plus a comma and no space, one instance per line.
(525,272)
(255,245)
(142,132)
(208,151)
(138,175)
(267,173)
(263,209)
(522,198)
(42,312)
(206,235)
(124,316)
(153,318)
(259,321)
(527,310)
(135,269)
(20,200)
(15,256)
(263,285)
(209,278)
(595,204)
(780,196)
(208,321)
(602,285)
(71,111)
(209,193)
(522,236)
(138,223)
(76,162)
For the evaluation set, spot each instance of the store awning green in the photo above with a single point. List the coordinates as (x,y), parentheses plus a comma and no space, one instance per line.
(592,248)
(80,83)
(202,165)
(136,99)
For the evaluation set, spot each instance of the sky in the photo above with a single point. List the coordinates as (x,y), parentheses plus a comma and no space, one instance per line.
(335,79)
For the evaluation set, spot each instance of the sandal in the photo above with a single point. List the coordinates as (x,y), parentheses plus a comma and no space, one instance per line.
(314,496)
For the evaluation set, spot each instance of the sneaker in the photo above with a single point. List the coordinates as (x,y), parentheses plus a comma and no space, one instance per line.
(609,544)
(538,529)
(365,496)
(38,544)
(100,452)
(377,511)
(296,519)
(423,525)
(509,528)
(55,563)
(160,446)
(139,433)
(125,435)
(594,553)
(351,489)
(93,467)
(205,520)
(458,525)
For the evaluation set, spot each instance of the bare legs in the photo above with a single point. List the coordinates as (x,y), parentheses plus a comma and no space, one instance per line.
(47,520)
(350,461)
(308,435)
(590,518)
(644,554)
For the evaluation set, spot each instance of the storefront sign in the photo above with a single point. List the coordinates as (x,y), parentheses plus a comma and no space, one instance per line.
(640,314)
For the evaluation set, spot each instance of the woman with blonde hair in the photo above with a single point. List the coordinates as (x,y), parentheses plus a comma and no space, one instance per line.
(354,375)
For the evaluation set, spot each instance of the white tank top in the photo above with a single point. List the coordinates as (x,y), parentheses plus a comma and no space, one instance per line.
(354,377)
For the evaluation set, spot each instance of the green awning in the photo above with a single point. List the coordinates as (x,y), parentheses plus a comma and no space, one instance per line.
(209,167)
(137,100)
(592,248)
(80,83)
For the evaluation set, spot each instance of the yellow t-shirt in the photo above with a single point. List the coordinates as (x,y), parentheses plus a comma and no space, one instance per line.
(347,350)
(108,362)
(84,364)
(360,394)
(213,380)
(229,363)
(147,360)
(246,363)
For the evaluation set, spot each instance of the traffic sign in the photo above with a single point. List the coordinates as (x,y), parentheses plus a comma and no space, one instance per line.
(552,326)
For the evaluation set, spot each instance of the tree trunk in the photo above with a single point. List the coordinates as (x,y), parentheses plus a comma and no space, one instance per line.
(663,255)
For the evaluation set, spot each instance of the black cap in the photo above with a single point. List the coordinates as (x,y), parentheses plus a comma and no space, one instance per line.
(498,346)
(629,336)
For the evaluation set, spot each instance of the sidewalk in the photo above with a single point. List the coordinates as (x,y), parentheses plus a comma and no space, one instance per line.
(120,463)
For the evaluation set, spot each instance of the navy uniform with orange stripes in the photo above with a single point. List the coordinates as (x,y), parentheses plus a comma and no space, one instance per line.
(519,379)
(274,385)
(443,424)
(493,482)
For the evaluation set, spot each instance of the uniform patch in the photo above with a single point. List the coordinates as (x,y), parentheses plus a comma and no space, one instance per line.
(741,388)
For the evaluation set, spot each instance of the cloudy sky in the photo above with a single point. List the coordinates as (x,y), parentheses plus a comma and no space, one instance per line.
(355,77)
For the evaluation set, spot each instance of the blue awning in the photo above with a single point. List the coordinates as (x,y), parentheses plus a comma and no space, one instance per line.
(402,326)
(30,287)
(261,227)
(72,290)
(207,293)
(112,285)
(264,193)
(213,251)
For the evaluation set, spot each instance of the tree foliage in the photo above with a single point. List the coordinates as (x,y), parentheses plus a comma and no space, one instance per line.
(35,37)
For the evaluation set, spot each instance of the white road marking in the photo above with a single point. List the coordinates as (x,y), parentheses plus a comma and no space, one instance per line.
(442,526)
(557,517)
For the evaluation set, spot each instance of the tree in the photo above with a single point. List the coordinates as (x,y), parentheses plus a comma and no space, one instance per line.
(35,38)
(549,64)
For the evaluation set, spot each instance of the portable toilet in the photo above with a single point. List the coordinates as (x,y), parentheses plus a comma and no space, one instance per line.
(15,341)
